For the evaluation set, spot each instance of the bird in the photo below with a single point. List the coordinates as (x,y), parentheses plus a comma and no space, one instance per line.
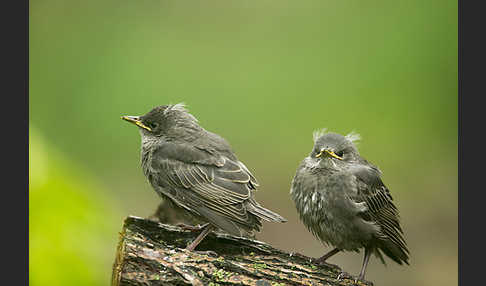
(198,172)
(342,200)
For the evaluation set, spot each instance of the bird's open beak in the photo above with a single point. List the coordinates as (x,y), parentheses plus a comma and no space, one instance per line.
(329,153)
(135,120)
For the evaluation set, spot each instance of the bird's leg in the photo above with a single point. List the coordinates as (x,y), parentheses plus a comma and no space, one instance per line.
(191,227)
(323,258)
(207,229)
(365,263)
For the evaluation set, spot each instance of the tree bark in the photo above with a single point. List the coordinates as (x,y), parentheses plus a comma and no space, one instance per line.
(152,253)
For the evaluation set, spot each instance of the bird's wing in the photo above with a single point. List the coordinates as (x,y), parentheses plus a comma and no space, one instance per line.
(204,180)
(380,210)
(206,149)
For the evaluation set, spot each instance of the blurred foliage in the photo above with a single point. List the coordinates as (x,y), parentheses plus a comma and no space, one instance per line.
(264,75)
(72,223)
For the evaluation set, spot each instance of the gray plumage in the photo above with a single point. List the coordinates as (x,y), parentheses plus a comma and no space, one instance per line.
(342,200)
(197,170)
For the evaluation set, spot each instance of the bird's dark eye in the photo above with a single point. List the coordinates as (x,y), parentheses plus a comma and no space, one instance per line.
(340,153)
(152,125)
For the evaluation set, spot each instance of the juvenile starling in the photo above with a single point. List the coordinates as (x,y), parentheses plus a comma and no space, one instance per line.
(197,170)
(342,200)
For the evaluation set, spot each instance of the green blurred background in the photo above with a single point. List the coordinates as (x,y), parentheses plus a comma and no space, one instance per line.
(264,75)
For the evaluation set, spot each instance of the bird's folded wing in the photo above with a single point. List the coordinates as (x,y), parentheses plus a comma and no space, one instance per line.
(379,202)
(209,180)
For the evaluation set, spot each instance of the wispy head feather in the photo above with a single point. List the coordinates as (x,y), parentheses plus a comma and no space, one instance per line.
(181,108)
(353,137)
(318,133)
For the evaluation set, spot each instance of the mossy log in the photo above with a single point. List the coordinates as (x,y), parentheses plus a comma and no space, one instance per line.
(152,253)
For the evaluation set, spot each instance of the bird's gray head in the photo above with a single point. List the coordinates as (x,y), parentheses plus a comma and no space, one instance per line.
(164,120)
(332,149)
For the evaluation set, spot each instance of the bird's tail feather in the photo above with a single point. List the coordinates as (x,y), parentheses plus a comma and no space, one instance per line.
(395,252)
(220,221)
(264,213)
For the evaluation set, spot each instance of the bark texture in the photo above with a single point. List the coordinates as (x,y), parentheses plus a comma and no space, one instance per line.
(152,253)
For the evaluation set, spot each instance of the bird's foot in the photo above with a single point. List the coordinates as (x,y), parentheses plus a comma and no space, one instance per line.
(323,262)
(297,255)
(357,281)
(361,281)
(343,275)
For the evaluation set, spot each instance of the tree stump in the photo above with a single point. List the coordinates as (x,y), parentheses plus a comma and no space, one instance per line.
(152,253)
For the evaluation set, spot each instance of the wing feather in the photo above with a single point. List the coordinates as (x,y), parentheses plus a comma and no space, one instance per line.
(381,210)
(219,184)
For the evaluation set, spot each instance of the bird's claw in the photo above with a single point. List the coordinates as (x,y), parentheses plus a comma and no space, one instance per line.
(343,275)
(339,276)
(324,263)
(355,279)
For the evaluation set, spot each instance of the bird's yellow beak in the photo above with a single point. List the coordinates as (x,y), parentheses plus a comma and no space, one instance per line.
(329,153)
(135,120)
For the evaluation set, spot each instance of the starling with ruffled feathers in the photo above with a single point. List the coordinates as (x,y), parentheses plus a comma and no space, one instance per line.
(342,200)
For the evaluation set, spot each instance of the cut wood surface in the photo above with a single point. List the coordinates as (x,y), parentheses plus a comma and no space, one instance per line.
(152,253)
